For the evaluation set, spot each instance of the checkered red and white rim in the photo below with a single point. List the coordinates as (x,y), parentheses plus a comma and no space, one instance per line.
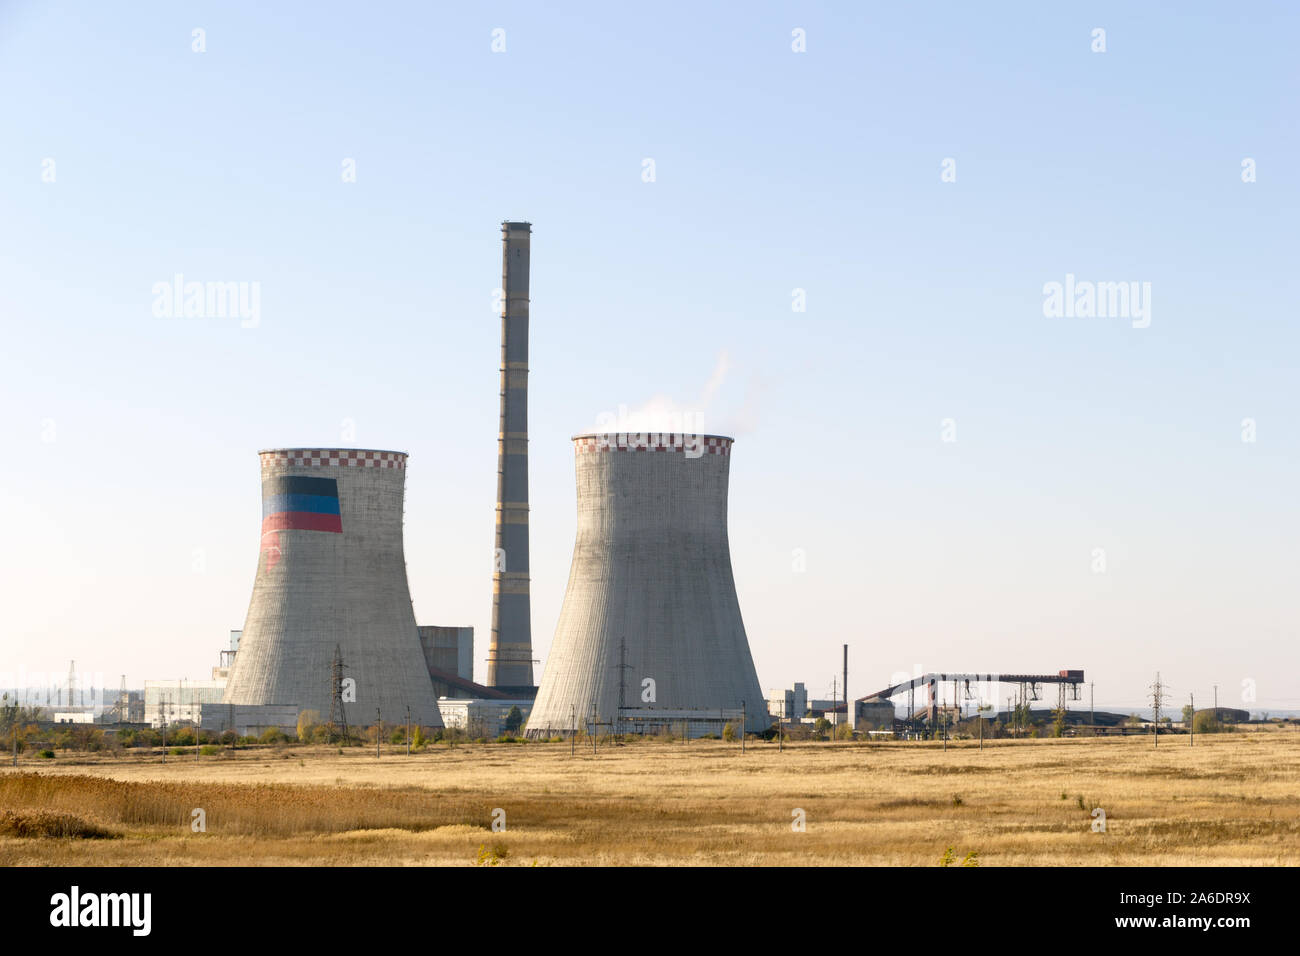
(331,457)
(652,441)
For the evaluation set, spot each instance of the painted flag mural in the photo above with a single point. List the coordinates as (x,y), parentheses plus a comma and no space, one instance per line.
(297,503)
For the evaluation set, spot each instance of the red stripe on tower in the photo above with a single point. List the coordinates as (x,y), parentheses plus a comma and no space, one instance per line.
(302,521)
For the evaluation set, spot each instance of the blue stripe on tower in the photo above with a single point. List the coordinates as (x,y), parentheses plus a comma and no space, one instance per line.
(316,504)
(300,485)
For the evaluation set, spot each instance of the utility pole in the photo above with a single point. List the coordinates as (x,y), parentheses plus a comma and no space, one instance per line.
(622,676)
(379,730)
(408,730)
(744,718)
(573,732)
(847,717)
(834,702)
(336,696)
(1158,696)
(1216,703)
(1192,723)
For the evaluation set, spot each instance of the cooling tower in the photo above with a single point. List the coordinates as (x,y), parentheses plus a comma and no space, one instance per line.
(510,652)
(650,620)
(331,573)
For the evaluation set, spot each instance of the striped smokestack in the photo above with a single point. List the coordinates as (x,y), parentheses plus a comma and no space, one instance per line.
(510,659)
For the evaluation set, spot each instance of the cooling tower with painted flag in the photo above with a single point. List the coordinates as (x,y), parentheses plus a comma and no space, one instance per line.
(650,634)
(331,573)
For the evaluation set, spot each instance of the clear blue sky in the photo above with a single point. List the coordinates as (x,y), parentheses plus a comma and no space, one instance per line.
(132,438)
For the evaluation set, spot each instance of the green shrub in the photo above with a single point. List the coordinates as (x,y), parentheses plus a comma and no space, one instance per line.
(307,721)
(514,720)
(950,857)
(46,755)
(1204,723)
(492,856)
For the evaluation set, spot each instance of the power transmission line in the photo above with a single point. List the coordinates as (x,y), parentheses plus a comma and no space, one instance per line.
(1159,694)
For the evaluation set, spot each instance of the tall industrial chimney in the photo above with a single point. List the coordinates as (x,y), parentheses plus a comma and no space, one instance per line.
(331,573)
(510,657)
(650,621)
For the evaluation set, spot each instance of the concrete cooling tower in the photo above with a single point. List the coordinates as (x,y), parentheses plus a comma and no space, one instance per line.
(331,573)
(650,622)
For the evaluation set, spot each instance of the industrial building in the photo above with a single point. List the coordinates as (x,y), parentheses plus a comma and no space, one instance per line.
(873,713)
(1224,715)
(650,634)
(178,701)
(789,704)
(449,656)
(222,670)
(127,707)
(966,694)
(248,720)
(481,717)
(331,580)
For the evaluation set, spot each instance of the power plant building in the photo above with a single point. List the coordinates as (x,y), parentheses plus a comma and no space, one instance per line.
(178,701)
(650,634)
(481,717)
(331,574)
(789,704)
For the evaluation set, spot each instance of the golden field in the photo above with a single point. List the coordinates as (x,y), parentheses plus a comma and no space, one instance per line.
(1232,799)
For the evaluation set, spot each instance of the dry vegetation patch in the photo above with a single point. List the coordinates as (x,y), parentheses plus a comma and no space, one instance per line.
(1224,801)
(28,824)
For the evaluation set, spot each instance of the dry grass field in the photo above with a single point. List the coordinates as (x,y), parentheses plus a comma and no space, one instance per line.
(1231,799)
